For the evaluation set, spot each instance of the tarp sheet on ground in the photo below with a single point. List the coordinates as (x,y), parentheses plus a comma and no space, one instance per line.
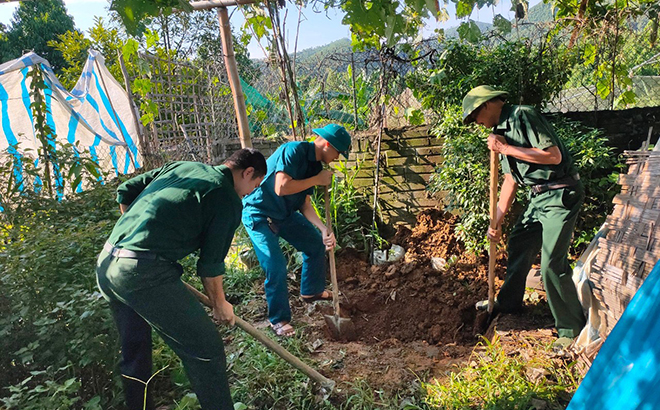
(626,373)
(96,115)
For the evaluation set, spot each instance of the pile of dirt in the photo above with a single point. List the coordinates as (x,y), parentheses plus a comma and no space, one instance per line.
(411,300)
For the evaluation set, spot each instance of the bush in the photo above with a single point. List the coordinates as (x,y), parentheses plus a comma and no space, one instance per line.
(532,73)
(59,335)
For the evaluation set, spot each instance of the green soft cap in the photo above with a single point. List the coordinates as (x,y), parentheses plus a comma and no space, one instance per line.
(476,97)
(337,136)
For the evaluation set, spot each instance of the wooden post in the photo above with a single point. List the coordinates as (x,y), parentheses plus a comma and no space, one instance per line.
(234,80)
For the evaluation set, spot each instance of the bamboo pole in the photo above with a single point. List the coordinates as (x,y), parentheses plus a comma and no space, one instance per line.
(211,4)
(323,381)
(355,109)
(234,80)
(144,146)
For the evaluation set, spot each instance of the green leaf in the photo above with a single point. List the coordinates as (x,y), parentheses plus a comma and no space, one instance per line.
(464,9)
(503,25)
(152,38)
(130,49)
(603,88)
(470,32)
(589,55)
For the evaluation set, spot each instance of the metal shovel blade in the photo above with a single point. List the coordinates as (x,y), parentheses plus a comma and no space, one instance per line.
(340,328)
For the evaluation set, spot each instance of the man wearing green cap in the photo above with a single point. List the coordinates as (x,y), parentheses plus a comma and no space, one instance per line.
(282,208)
(531,154)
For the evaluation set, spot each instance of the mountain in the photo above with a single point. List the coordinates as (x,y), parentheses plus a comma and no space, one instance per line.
(338,46)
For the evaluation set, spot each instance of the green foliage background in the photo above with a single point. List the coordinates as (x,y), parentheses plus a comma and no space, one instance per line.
(33,25)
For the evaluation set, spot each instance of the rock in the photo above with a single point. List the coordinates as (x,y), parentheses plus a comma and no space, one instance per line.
(535,374)
(539,404)
(438,263)
(391,272)
(393,254)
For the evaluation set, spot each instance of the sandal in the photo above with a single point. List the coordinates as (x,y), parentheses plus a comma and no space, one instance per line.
(283,329)
(325,295)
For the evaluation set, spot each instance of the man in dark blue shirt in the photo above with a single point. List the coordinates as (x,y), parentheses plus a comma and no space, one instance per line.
(282,207)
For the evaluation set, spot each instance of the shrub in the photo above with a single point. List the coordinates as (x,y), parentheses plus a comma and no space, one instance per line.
(531,72)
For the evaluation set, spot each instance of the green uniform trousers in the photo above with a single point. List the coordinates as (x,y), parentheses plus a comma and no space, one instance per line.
(145,294)
(546,225)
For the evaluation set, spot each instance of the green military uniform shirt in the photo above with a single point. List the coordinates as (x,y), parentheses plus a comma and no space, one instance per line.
(177,209)
(523,126)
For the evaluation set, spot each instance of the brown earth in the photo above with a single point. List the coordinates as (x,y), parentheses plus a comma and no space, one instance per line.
(410,300)
(414,322)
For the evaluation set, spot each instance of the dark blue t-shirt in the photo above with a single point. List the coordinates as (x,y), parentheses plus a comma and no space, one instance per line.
(296,159)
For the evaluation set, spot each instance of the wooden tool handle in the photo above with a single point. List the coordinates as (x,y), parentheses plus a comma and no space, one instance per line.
(492,253)
(331,253)
(270,344)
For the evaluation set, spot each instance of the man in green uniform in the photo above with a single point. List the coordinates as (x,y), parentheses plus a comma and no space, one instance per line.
(531,154)
(168,213)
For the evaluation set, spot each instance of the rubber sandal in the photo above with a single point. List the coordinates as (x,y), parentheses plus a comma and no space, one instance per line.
(283,329)
(319,296)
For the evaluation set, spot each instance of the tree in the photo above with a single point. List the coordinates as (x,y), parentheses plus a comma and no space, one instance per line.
(34,24)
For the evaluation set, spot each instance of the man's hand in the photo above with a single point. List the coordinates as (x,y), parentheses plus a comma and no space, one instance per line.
(497,143)
(224,313)
(324,177)
(494,235)
(329,240)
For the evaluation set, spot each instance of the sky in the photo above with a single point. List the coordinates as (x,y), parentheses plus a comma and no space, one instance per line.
(316,28)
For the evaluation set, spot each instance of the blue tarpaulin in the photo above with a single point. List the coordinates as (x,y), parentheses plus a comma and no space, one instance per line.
(626,373)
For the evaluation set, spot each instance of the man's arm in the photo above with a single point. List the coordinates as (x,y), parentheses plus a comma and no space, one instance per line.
(222,216)
(507,195)
(223,311)
(309,212)
(286,185)
(131,189)
(548,156)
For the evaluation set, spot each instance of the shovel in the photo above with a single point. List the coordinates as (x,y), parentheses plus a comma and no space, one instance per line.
(327,384)
(484,319)
(492,253)
(341,328)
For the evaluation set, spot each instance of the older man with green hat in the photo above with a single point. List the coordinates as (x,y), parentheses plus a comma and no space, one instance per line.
(531,154)
(282,208)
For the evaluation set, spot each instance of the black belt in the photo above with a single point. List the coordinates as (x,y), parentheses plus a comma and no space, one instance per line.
(126,253)
(558,184)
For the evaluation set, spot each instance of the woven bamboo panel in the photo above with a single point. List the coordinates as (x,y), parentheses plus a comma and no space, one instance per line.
(631,248)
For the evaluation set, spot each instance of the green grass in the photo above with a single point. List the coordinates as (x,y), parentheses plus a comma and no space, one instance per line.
(496,380)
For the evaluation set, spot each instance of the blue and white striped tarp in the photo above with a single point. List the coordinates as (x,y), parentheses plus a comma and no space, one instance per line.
(96,114)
